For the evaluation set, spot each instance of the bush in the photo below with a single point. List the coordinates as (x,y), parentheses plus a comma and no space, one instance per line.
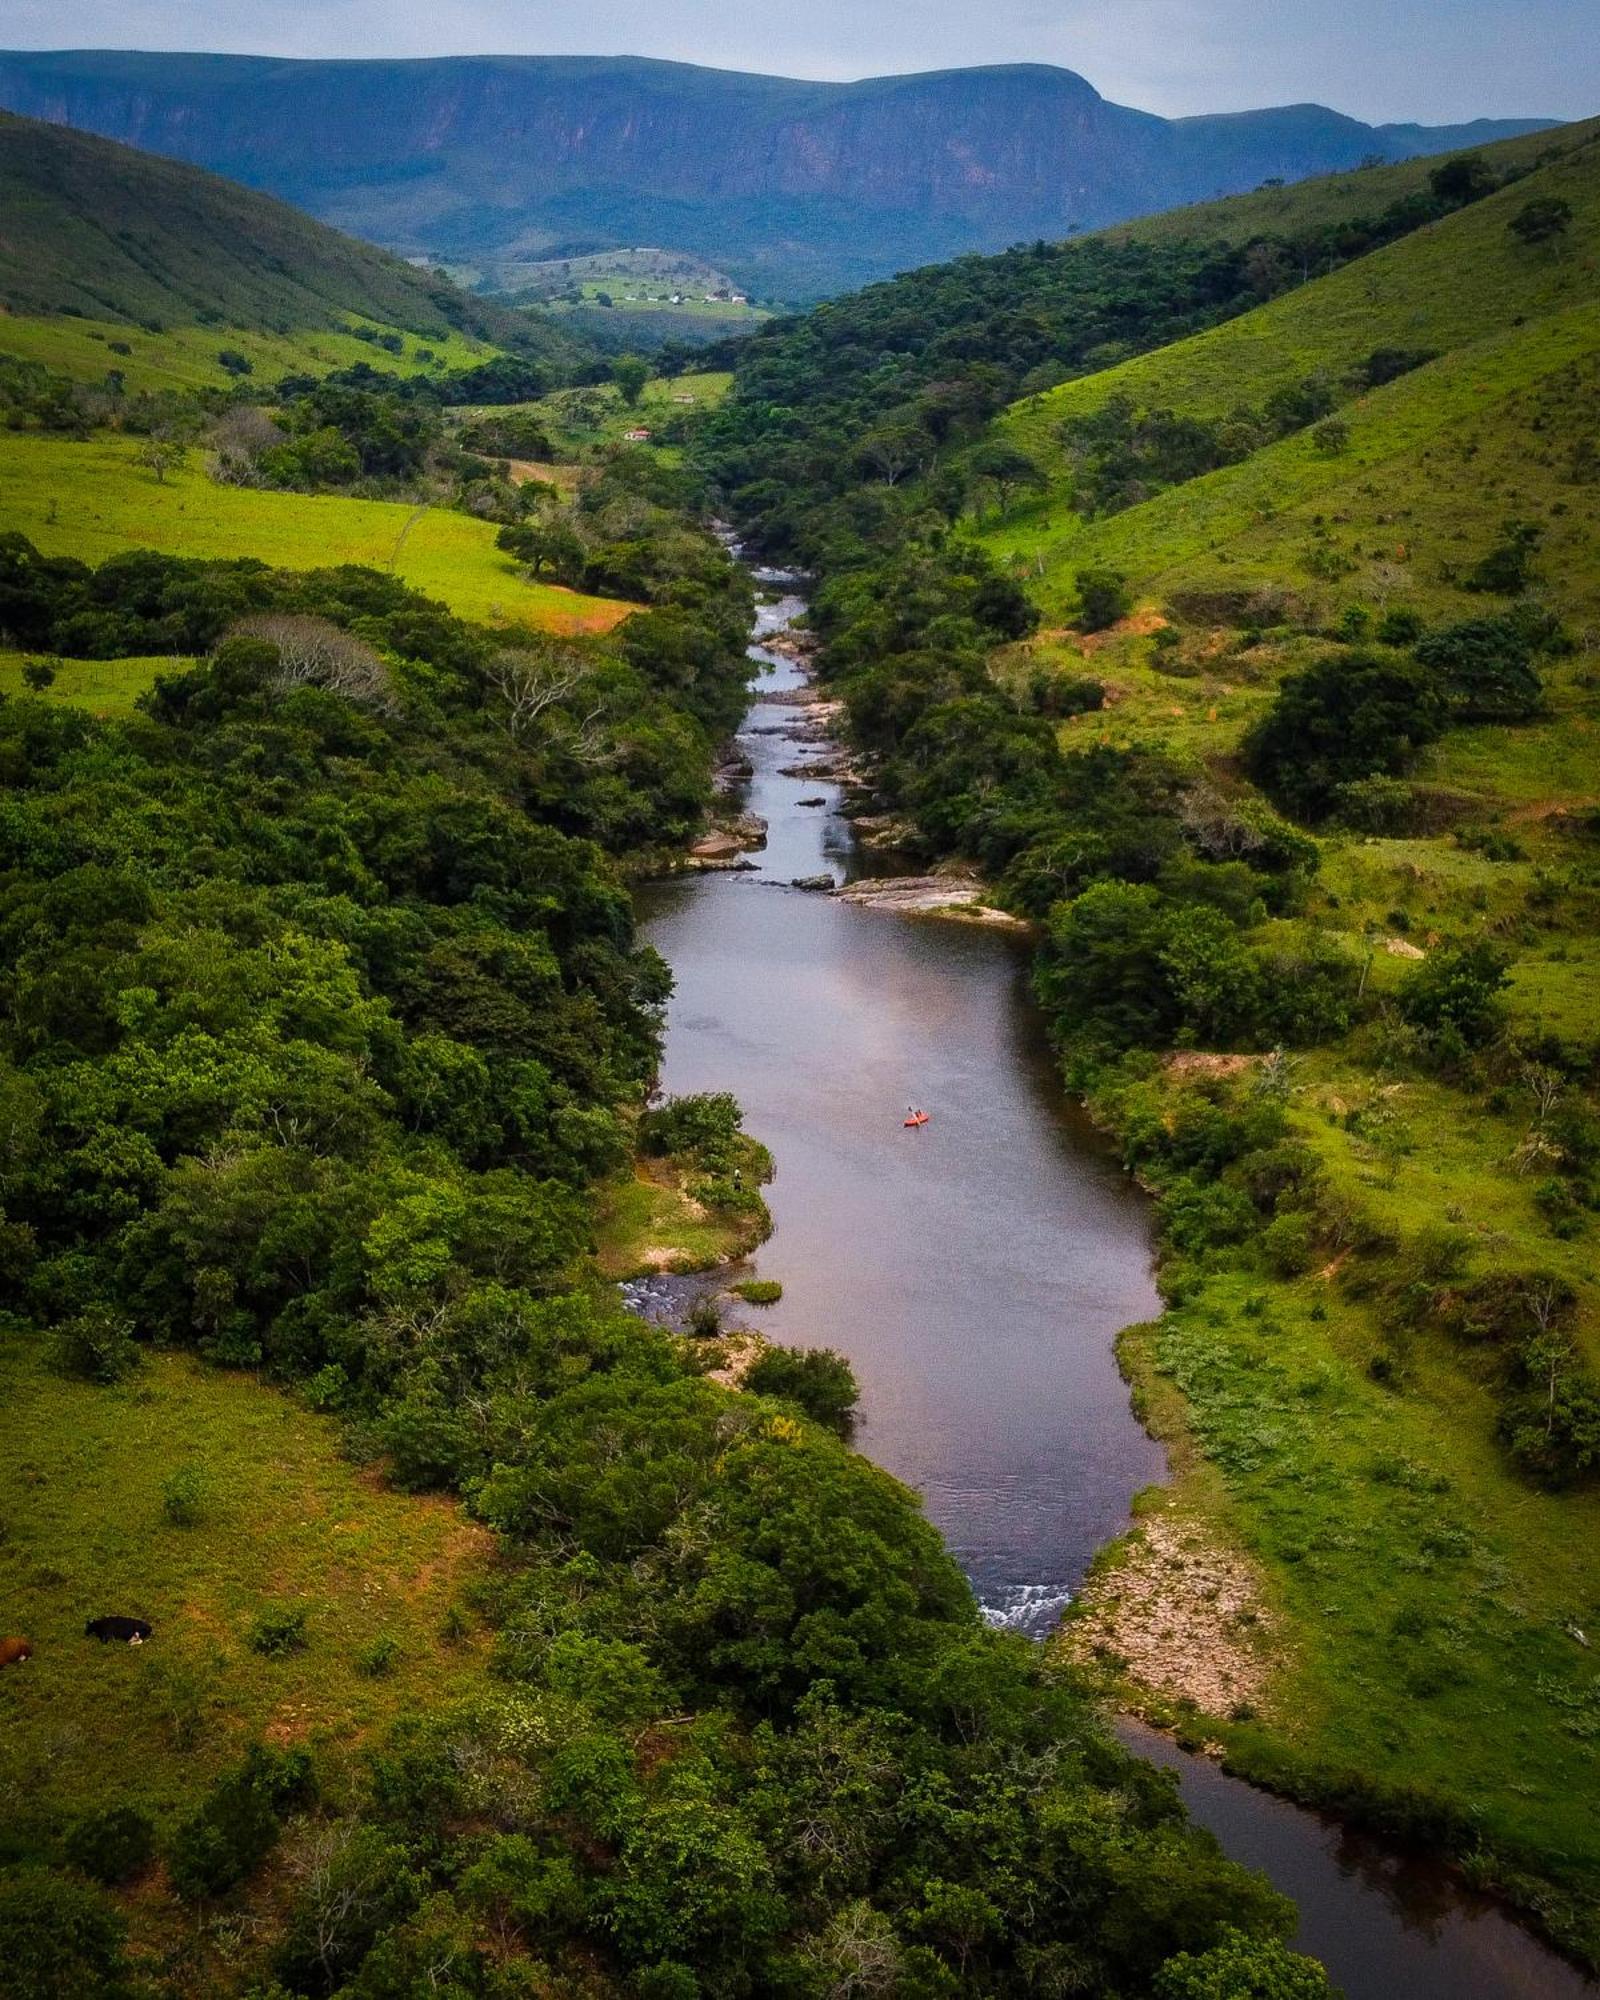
(1454,994)
(759,1291)
(1400,628)
(377,1661)
(1289,1243)
(238,1825)
(113,1845)
(1103,598)
(1486,666)
(58,1940)
(183,1496)
(820,1381)
(1346,717)
(701,1128)
(1242,1968)
(97,1345)
(279,1629)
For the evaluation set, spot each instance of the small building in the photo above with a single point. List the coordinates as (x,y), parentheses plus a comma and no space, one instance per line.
(637,436)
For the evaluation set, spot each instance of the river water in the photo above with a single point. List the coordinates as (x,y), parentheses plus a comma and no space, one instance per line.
(976,1273)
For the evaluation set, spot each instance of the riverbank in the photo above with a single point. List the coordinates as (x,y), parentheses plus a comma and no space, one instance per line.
(1425,1611)
(976,1273)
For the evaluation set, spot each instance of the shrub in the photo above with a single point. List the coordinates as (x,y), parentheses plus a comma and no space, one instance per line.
(1103,598)
(113,1845)
(1455,993)
(1331,436)
(820,1381)
(1242,1968)
(1507,570)
(183,1496)
(1289,1242)
(278,1629)
(58,1940)
(1346,717)
(377,1661)
(705,1318)
(1544,220)
(702,1127)
(238,1824)
(1486,666)
(1400,627)
(759,1291)
(234,363)
(97,1345)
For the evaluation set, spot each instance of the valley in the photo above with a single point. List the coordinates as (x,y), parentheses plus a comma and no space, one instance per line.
(1213,1383)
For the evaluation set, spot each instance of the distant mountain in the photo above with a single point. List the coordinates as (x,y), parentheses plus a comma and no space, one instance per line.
(796,188)
(101,232)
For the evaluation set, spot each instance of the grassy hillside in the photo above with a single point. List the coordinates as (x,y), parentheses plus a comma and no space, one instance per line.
(1322,201)
(1424,1600)
(282,1517)
(101,230)
(1464,288)
(95,499)
(181,358)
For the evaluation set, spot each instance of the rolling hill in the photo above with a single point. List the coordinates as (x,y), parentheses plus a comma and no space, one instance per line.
(797,188)
(99,235)
(1481,315)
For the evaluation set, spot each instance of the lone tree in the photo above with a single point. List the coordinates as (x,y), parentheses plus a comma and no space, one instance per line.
(1006,469)
(630,373)
(1468,177)
(1545,220)
(1103,598)
(161,453)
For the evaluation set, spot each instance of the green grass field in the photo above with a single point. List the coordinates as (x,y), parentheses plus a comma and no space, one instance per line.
(185,357)
(284,1519)
(103,687)
(93,499)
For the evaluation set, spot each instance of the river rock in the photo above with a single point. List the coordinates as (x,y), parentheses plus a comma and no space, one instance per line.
(820,885)
(930,896)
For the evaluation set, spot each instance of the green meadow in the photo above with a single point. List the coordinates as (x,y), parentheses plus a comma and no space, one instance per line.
(185,357)
(94,499)
(282,1518)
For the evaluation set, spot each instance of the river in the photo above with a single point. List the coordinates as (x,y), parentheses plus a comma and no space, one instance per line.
(976,1273)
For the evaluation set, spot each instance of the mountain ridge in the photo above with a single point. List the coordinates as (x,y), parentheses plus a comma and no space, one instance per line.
(797,187)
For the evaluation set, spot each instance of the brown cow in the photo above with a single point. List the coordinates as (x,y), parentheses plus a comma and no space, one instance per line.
(14,1651)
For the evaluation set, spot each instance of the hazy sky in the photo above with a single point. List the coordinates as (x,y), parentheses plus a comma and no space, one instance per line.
(1378,59)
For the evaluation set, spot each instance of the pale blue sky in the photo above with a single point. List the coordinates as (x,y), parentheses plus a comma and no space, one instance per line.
(1434,60)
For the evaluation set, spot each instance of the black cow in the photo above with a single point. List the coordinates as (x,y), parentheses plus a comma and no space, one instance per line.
(131,1631)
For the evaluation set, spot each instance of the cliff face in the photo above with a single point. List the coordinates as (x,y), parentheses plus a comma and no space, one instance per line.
(799,187)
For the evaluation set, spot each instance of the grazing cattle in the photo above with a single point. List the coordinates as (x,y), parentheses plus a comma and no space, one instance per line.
(14,1651)
(132,1631)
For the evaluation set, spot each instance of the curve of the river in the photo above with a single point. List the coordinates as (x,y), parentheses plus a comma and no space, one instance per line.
(976,1273)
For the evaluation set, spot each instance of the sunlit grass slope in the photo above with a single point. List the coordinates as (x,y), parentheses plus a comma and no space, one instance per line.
(185,357)
(94,499)
(1500,313)
(283,1519)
